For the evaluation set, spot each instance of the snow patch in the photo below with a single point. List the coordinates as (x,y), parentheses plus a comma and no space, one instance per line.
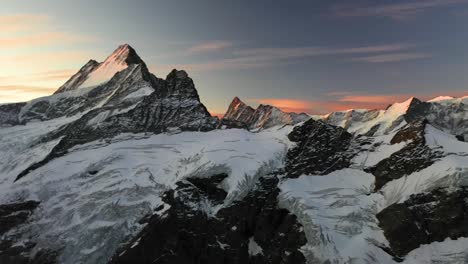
(254,248)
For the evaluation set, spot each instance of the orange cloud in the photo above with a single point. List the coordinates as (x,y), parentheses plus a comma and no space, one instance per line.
(288,105)
(41,39)
(19,93)
(341,101)
(22,22)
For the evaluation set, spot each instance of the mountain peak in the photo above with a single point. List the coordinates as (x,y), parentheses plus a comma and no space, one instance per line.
(238,110)
(177,74)
(94,74)
(124,54)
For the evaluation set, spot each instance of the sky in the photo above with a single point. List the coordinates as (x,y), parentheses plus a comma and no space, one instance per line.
(303,56)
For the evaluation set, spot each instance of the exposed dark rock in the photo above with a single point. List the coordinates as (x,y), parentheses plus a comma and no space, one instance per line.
(425,218)
(320,149)
(413,157)
(187,234)
(9,114)
(230,123)
(12,215)
(210,187)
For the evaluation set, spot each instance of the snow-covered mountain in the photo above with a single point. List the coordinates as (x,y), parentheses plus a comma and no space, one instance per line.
(120,166)
(447,113)
(265,116)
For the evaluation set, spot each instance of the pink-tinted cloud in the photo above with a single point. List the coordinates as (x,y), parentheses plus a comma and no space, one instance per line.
(210,46)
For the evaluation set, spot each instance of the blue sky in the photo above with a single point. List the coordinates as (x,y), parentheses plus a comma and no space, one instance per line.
(314,56)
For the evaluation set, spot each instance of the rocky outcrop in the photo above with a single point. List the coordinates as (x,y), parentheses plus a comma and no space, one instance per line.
(11,252)
(413,157)
(425,218)
(320,149)
(253,230)
(9,114)
(12,215)
(265,116)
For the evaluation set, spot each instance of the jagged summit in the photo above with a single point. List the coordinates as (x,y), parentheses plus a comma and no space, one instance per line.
(124,54)
(240,114)
(239,111)
(93,73)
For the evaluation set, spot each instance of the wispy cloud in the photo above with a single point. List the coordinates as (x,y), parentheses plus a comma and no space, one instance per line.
(41,39)
(210,47)
(22,36)
(19,93)
(267,57)
(53,75)
(395,11)
(287,53)
(393,57)
(22,22)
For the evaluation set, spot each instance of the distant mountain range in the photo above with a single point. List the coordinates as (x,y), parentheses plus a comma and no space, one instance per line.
(121,166)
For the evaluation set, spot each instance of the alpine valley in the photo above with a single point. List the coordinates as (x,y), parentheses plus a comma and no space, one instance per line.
(122,166)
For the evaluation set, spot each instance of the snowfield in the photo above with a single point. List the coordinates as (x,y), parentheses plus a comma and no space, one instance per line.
(93,197)
(338,210)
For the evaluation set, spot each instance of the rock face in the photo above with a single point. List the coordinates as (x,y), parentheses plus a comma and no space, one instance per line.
(265,116)
(320,149)
(12,216)
(253,230)
(413,157)
(9,114)
(239,111)
(425,218)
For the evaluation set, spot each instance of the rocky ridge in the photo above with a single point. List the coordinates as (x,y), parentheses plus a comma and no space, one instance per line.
(240,115)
